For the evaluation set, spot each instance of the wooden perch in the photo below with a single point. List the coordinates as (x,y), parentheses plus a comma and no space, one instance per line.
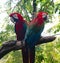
(11,45)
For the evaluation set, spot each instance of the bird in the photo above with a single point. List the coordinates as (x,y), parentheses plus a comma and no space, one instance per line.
(20,30)
(33,34)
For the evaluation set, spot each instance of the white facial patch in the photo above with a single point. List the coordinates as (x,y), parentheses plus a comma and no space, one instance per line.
(44,15)
(15,16)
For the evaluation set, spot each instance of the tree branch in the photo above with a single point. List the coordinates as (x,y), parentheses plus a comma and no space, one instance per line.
(34,6)
(11,45)
(34,9)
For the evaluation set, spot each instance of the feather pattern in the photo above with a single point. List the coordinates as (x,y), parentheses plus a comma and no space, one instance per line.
(20,29)
(34,30)
(33,34)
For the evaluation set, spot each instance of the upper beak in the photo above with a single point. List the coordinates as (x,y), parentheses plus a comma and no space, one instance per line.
(46,18)
(12,19)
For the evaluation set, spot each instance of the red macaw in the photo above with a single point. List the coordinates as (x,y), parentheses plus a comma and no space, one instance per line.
(33,34)
(20,30)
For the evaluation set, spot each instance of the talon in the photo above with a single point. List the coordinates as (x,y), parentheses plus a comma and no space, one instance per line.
(18,43)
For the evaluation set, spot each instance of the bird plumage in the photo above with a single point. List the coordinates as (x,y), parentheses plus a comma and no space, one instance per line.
(35,28)
(20,25)
(20,30)
(33,34)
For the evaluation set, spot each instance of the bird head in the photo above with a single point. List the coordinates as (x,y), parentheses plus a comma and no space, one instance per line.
(42,15)
(15,17)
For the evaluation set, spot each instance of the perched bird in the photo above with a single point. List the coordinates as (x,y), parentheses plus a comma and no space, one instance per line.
(33,34)
(20,30)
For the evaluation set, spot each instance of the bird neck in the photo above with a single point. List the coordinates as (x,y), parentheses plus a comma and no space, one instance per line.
(20,21)
(39,21)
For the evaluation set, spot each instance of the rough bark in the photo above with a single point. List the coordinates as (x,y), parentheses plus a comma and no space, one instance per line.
(11,45)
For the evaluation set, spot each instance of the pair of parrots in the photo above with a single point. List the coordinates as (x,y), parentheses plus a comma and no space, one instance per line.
(28,33)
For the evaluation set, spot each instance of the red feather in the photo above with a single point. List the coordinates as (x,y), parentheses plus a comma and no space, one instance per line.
(18,15)
(38,21)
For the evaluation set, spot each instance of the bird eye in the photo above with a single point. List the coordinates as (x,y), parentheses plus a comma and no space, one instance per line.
(43,15)
(15,16)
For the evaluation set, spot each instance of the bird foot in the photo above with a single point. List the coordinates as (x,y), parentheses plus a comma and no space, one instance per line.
(20,43)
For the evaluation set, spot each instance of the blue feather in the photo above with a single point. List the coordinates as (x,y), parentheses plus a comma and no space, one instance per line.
(32,36)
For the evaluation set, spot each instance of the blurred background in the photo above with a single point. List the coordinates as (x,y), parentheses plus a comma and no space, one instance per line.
(45,53)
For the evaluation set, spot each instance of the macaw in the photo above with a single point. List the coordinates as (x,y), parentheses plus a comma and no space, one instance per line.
(33,34)
(20,30)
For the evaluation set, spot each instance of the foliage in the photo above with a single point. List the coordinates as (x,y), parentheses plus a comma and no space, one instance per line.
(45,53)
(55,28)
(48,53)
(26,7)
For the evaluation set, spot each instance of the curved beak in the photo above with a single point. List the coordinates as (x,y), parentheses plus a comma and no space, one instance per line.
(46,18)
(12,19)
